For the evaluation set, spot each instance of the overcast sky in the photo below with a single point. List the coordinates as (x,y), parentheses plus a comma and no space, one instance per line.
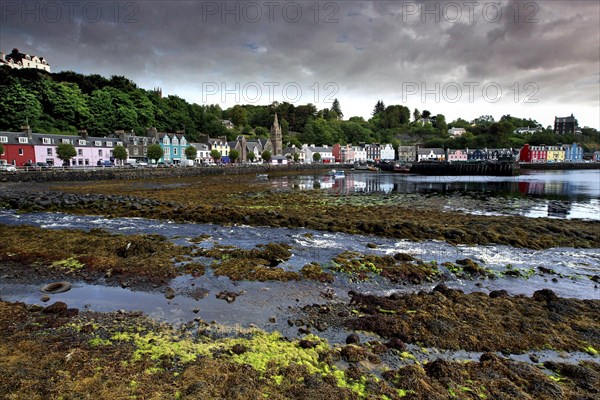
(458,58)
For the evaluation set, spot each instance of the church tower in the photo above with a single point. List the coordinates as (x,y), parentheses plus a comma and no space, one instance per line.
(276,139)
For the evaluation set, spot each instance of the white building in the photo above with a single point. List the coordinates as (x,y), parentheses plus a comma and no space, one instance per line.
(523,130)
(387,153)
(20,60)
(360,154)
(202,153)
(456,132)
(325,152)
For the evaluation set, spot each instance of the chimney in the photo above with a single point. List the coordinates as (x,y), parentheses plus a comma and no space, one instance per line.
(152,132)
(83,133)
(27,129)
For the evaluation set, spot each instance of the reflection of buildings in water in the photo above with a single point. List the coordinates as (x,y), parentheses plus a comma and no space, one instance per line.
(532,187)
(560,188)
(558,209)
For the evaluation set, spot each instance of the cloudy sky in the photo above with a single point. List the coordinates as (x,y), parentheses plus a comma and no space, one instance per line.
(459,58)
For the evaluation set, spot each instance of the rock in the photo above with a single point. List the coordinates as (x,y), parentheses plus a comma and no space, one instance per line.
(306,344)
(595,278)
(45,298)
(57,308)
(396,344)
(227,296)
(272,320)
(196,310)
(534,358)
(502,294)
(169,293)
(239,349)
(545,295)
(352,338)
(442,288)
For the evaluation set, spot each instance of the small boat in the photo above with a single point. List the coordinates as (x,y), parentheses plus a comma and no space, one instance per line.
(402,168)
(372,168)
(262,177)
(337,174)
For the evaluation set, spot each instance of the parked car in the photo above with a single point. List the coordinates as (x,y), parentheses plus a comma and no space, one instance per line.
(4,166)
(105,163)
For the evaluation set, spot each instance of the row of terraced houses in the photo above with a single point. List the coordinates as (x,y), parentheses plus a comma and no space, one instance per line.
(28,147)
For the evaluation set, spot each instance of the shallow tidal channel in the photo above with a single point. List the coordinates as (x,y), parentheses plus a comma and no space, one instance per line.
(258,302)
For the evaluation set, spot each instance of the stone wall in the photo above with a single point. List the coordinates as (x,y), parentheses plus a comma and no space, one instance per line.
(67,175)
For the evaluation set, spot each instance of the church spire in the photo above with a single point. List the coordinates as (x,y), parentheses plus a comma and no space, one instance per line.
(276,138)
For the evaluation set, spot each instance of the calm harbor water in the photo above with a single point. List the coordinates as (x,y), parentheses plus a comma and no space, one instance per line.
(555,194)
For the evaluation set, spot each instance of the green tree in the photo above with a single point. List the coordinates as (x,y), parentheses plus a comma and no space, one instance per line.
(296,157)
(215,155)
(102,122)
(261,131)
(120,153)
(440,124)
(191,152)
(69,105)
(17,105)
(251,156)
(155,152)
(234,155)
(317,157)
(426,114)
(379,108)
(416,115)
(238,115)
(65,151)
(266,156)
(335,107)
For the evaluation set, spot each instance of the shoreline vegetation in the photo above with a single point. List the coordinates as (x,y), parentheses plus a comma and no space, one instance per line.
(54,351)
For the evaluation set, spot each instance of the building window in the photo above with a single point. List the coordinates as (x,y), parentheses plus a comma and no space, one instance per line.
(109,144)
(175,151)
(97,143)
(49,152)
(100,152)
(87,161)
(21,152)
(81,142)
(65,141)
(119,144)
(46,140)
(79,152)
(135,151)
(79,161)
(167,150)
(3,139)
(23,140)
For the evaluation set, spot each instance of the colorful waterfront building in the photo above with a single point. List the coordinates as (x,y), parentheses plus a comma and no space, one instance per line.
(533,153)
(573,152)
(555,154)
(18,148)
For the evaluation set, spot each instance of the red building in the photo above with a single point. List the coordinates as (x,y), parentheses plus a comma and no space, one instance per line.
(18,148)
(336,152)
(533,153)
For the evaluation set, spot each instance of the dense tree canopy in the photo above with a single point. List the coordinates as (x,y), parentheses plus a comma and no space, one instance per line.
(65,102)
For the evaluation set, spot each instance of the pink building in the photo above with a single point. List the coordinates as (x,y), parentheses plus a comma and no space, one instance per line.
(89,150)
(457,155)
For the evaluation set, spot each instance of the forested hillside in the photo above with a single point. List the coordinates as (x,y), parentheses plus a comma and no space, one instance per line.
(64,102)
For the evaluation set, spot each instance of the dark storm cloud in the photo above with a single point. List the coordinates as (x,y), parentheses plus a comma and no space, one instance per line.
(367,48)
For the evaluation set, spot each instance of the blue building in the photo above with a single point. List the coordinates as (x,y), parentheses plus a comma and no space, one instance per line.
(573,152)
(173,145)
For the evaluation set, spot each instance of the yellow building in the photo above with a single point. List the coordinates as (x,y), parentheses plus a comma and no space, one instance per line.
(555,153)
